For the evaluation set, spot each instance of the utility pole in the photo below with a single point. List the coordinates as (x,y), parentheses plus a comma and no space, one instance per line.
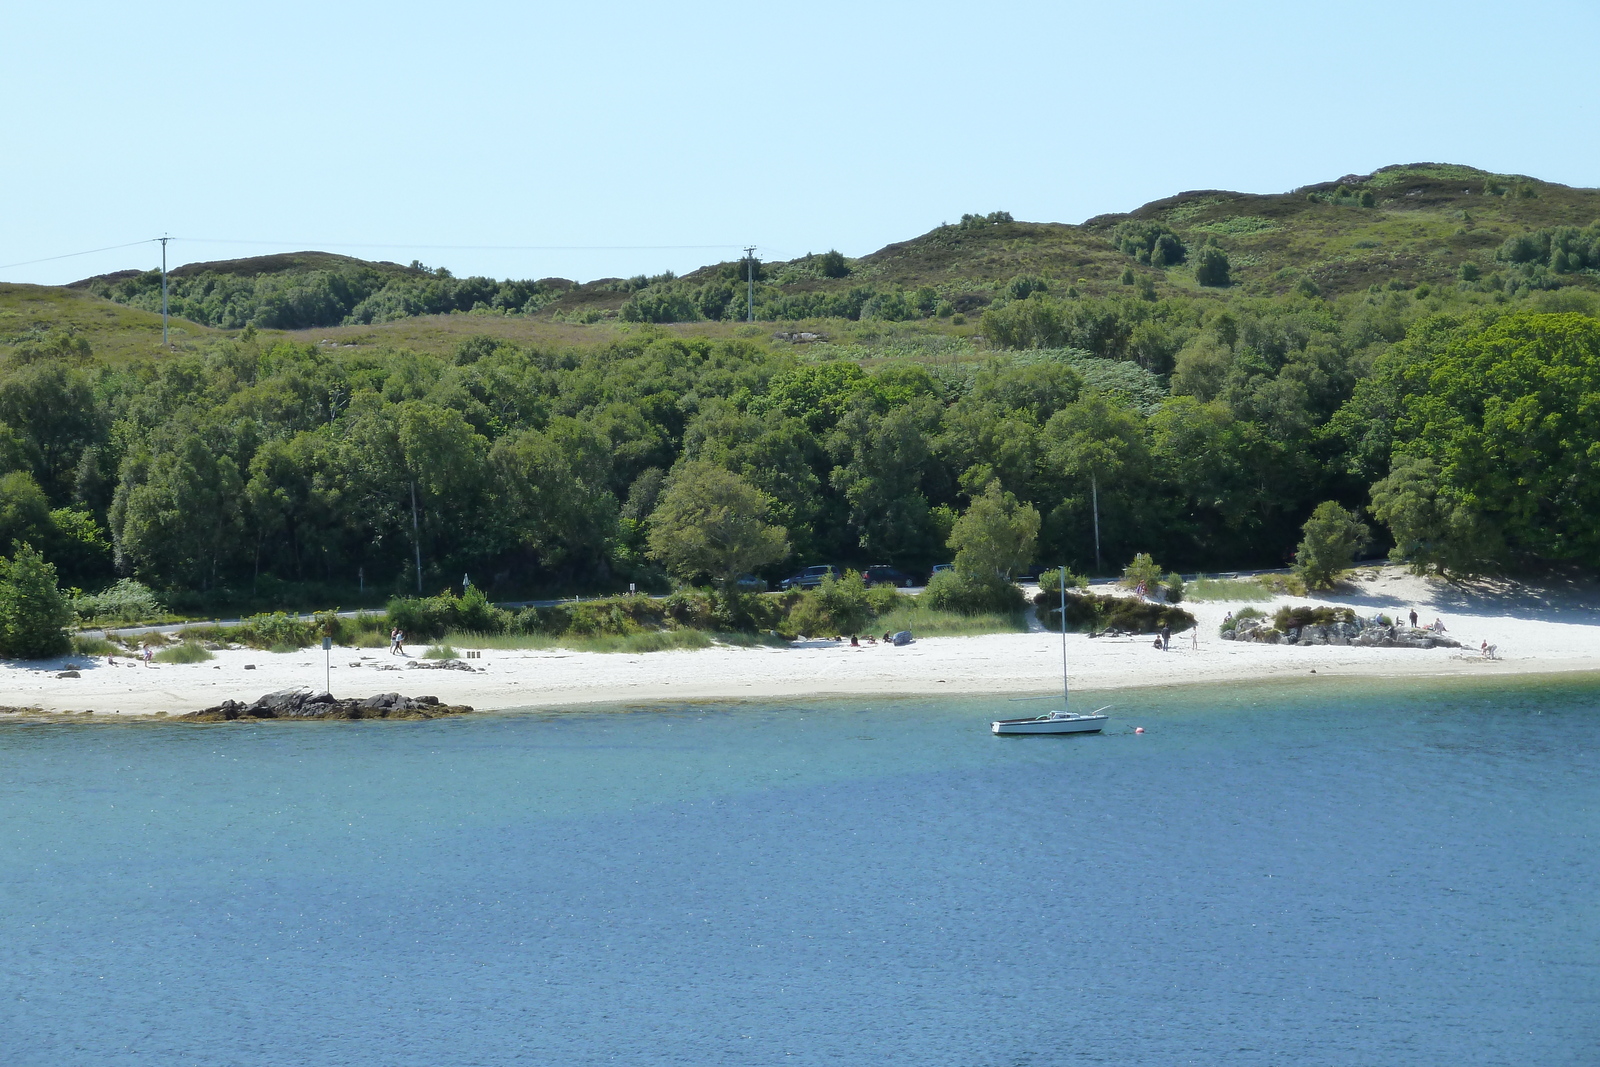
(1094,488)
(164,241)
(750,276)
(416,535)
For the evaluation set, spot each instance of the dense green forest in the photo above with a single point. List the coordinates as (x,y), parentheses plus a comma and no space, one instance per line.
(1201,424)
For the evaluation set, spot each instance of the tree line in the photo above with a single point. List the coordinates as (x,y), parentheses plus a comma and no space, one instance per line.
(1468,430)
(356,294)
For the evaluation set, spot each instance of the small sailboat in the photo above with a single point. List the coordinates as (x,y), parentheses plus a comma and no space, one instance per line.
(1057,722)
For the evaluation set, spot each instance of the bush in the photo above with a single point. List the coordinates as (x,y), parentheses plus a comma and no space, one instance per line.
(1050,582)
(884,598)
(1211,267)
(837,606)
(1239,616)
(34,616)
(972,595)
(434,616)
(127,601)
(1094,614)
(690,608)
(190,651)
(1288,618)
(1174,588)
(1142,571)
(274,630)
(612,616)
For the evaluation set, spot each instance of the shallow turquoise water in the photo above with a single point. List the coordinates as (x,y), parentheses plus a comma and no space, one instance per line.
(1317,875)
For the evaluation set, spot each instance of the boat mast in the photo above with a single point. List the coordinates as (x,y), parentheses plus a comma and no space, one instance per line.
(1064,696)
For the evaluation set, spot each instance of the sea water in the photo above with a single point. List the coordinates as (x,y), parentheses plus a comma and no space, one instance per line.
(1322,874)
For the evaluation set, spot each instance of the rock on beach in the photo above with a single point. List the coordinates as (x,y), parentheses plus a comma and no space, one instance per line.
(304,704)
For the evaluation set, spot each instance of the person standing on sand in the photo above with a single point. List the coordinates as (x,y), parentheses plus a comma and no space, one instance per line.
(1166,638)
(1413,618)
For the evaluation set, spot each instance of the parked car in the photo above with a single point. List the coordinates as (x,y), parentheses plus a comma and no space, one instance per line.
(937,567)
(811,577)
(882,574)
(749,583)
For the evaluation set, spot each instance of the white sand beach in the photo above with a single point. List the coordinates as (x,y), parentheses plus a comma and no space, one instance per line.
(1544,630)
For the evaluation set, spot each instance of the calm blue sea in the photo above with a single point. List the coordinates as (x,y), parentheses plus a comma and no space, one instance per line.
(1320,875)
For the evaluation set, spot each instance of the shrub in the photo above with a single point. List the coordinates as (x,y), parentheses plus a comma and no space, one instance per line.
(34,616)
(1050,581)
(1174,588)
(190,651)
(1241,615)
(837,606)
(432,617)
(274,630)
(441,652)
(691,608)
(1288,618)
(884,598)
(970,594)
(1142,571)
(1211,267)
(1086,612)
(127,601)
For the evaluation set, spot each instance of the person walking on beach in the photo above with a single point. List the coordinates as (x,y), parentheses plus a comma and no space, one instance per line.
(149,654)
(397,639)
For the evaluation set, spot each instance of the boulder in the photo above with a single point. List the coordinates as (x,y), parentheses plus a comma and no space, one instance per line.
(304,704)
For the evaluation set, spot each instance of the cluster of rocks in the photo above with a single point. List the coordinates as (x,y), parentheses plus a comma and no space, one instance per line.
(304,704)
(1344,632)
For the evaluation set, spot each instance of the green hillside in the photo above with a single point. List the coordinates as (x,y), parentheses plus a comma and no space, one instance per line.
(1400,227)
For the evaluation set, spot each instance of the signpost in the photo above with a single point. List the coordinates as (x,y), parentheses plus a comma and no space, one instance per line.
(327,664)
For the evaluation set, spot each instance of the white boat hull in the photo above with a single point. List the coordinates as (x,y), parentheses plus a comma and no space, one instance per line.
(1056,724)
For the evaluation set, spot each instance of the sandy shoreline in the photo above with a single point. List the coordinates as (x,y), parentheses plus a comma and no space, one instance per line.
(1538,632)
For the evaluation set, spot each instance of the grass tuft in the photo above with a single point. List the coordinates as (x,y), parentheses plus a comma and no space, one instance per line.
(188,652)
(95,646)
(441,651)
(648,641)
(930,622)
(1227,589)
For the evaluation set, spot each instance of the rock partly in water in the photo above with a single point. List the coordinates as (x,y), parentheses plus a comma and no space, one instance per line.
(305,704)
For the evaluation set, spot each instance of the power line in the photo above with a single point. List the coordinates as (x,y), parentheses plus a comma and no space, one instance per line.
(69,255)
(455,248)
(414,247)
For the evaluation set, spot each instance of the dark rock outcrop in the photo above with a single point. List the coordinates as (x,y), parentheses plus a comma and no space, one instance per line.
(304,704)
(1341,632)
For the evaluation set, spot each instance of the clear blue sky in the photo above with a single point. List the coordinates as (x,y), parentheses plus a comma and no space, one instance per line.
(386,130)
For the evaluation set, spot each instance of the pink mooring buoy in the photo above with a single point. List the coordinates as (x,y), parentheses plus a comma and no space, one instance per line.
(1138,729)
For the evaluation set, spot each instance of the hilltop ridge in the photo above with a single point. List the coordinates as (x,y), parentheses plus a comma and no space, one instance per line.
(1401,226)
